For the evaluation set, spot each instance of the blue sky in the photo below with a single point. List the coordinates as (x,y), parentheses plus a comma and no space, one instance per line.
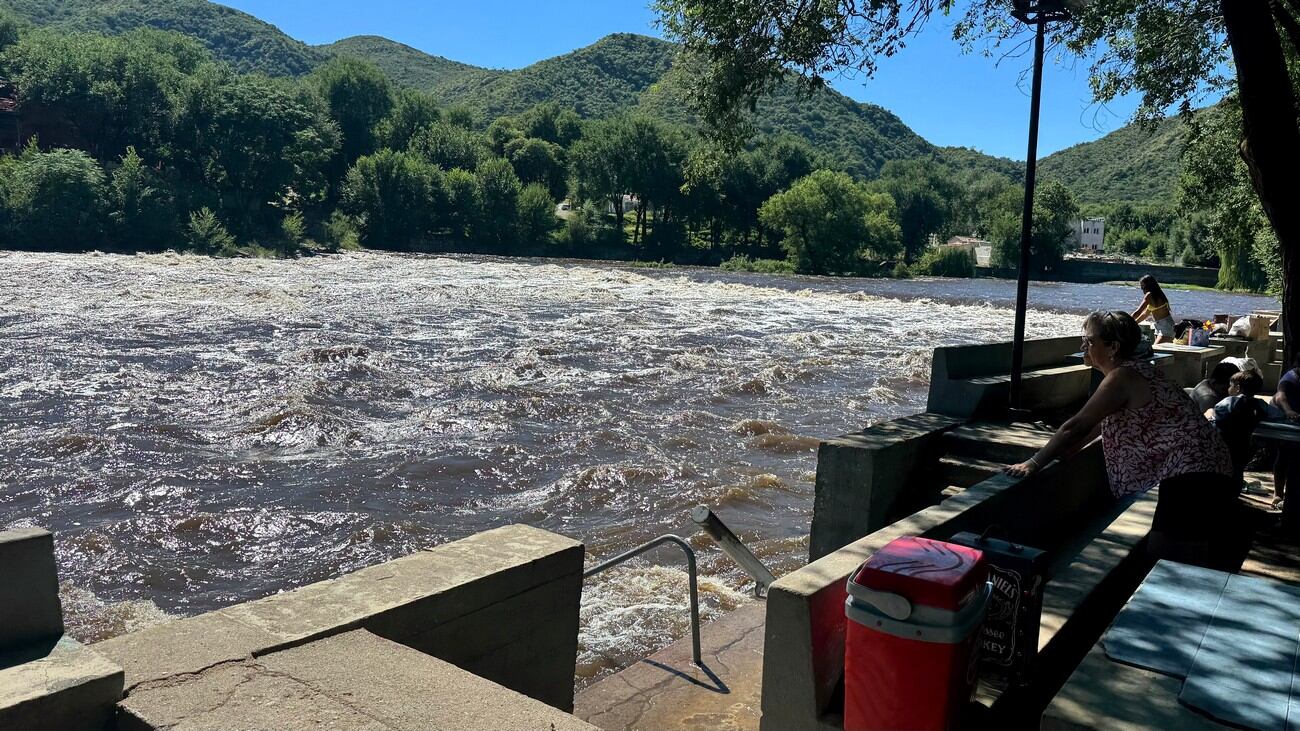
(947,97)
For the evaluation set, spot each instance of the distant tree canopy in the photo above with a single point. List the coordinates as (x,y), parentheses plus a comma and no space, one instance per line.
(830,224)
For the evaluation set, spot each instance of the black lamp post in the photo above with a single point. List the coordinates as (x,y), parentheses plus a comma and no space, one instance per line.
(1037,13)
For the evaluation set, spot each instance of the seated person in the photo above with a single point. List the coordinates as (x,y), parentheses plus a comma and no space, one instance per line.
(1237,416)
(1286,400)
(1215,388)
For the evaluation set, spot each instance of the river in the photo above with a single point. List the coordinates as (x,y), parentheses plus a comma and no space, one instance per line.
(200,432)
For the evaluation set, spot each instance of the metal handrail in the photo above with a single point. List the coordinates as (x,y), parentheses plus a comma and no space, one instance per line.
(690,570)
(710,523)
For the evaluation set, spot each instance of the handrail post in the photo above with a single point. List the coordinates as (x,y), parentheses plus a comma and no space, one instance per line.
(607,564)
(733,547)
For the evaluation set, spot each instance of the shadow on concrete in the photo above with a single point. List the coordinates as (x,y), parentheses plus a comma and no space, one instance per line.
(718,686)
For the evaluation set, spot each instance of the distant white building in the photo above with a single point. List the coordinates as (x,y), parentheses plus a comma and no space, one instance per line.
(982,249)
(1090,235)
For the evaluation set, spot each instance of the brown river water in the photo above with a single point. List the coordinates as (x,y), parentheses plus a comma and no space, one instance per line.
(201,432)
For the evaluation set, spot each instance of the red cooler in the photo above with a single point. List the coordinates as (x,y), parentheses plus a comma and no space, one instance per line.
(914,612)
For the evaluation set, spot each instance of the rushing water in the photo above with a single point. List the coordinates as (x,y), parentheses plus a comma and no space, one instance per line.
(201,432)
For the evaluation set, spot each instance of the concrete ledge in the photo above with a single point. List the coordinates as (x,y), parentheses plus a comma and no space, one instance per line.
(503,603)
(970,381)
(69,688)
(356,681)
(858,477)
(29,588)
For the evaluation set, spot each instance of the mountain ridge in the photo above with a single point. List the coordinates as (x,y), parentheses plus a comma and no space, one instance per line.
(627,72)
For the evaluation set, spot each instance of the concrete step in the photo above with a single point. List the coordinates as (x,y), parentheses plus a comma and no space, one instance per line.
(995,442)
(950,491)
(966,471)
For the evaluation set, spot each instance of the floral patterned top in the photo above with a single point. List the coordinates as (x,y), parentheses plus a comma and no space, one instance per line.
(1163,439)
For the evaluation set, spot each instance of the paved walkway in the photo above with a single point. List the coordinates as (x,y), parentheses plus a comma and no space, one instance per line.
(666,692)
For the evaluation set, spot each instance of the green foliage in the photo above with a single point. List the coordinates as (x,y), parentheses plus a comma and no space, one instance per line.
(1054,212)
(1134,242)
(207,235)
(392,196)
(550,122)
(408,67)
(143,216)
(358,96)
(947,261)
(8,30)
(106,93)
(412,112)
(341,232)
(241,40)
(1216,185)
(253,141)
(463,207)
(538,161)
(498,192)
(829,223)
(54,200)
(293,229)
(537,220)
(927,197)
(742,263)
(449,146)
(1137,163)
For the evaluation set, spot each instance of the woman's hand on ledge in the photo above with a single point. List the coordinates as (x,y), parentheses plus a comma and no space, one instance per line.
(1024,469)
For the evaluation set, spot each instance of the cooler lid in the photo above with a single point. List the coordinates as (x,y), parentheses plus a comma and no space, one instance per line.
(924,571)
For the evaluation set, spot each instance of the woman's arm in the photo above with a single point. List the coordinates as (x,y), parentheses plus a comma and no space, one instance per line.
(1111,396)
(1280,401)
(1141,311)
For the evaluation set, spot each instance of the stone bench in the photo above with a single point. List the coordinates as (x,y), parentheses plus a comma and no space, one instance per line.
(1064,509)
(974,381)
(502,604)
(355,680)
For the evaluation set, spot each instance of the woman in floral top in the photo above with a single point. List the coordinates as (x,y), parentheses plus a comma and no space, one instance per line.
(1151,431)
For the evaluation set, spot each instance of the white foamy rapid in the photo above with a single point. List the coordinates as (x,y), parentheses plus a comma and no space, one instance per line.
(201,432)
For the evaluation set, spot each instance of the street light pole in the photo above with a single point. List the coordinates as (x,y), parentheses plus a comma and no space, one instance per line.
(1027,221)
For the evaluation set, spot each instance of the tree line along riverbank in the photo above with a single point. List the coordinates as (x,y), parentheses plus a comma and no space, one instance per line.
(144,142)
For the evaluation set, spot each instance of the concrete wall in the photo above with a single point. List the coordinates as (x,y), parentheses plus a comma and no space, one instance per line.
(47,681)
(502,604)
(804,643)
(1096,272)
(29,589)
(861,476)
(973,380)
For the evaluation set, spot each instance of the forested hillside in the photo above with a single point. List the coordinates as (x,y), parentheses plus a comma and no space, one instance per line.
(626,72)
(237,38)
(410,67)
(1135,164)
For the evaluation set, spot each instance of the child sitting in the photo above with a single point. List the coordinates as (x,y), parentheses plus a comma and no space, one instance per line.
(1237,416)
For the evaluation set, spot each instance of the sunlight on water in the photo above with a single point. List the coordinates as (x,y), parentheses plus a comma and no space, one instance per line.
(203,432)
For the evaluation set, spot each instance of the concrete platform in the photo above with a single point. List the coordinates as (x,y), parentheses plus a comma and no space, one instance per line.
(355,681)
(502,604)
(667,692)
(61,685)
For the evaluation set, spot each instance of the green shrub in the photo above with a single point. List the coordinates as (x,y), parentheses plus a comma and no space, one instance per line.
(341,232)
(902,271)
(947,261)
(536,214)
(55,200)
(143,214)
(293,229)
(207,235)
(742,263)
(393,196)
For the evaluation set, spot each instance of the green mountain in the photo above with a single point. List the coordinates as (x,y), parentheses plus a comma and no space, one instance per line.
(1136,163)
(625,72)
(409,67)
(238,38)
